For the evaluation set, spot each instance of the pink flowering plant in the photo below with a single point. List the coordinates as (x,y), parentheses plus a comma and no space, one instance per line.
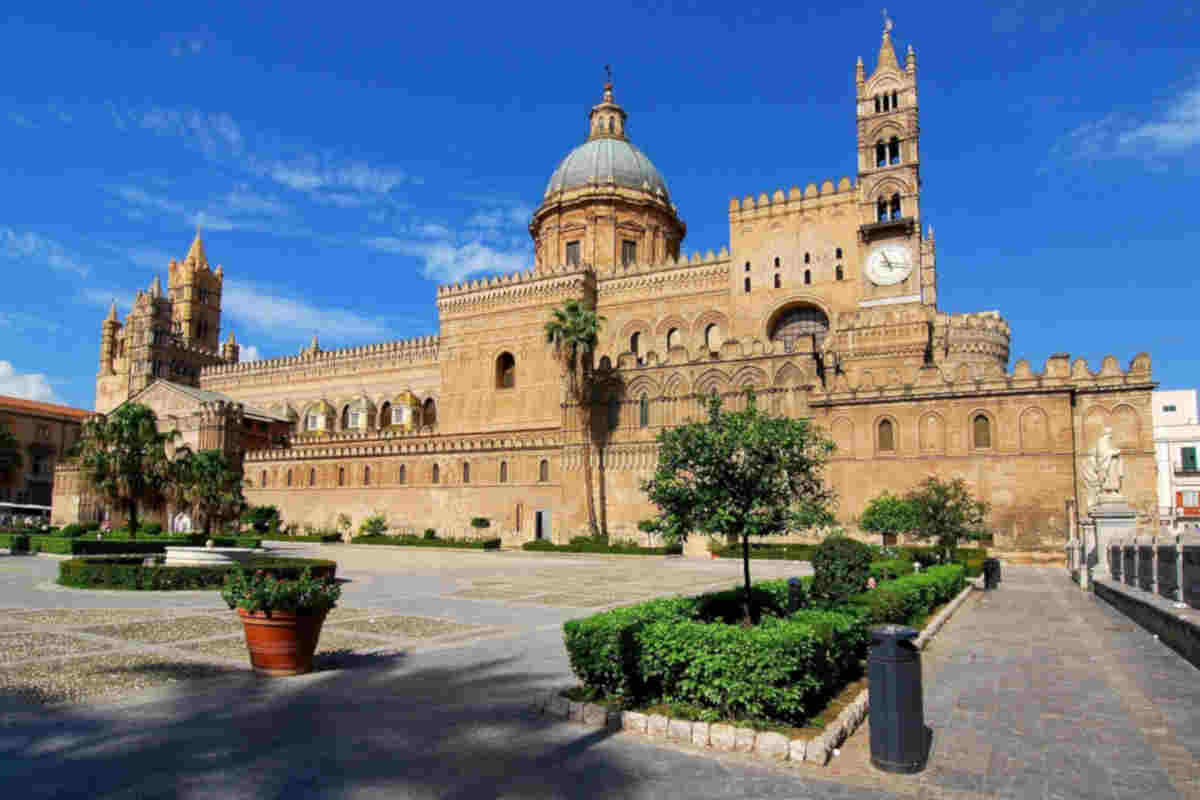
(262,591)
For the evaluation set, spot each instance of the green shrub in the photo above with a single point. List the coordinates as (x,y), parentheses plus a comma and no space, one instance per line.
(91,527)
(71,531)
(430,533)
(841,566)
(374,525)
(781,552)
(131,573)
(418,541)
(480,522)
(907,600)
(150,529)
(891,569)
(262,518)
(15,542)
(771,598)
(587,544)
(324,538)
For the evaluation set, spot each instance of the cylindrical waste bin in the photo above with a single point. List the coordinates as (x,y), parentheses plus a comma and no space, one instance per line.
(898,740)
(991,573)
(796,599)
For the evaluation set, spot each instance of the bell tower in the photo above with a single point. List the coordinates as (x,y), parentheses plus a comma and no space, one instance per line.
(195,294)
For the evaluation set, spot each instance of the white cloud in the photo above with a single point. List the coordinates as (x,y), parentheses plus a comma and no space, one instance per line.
(36,250)
(30,385)
(246,201)
(285,317)
(241,209)
(249,352)
(1172,132)
(214,134)
(446,262)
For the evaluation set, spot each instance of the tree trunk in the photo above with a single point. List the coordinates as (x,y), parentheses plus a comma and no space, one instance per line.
(593,528)
(748,606)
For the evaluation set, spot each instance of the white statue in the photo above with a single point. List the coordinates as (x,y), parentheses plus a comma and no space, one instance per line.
(183,523)
(1103,470)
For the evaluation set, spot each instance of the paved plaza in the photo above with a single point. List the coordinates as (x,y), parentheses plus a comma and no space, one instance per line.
(427,670)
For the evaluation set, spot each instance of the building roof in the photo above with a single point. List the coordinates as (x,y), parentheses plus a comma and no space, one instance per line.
(22,406)
(206,396)
(601,161)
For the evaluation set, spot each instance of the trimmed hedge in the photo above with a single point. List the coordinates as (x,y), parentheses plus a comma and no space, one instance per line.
(542,546)
(693,650)
(322,538)
(418,541)
(63,545)
(891,569)
(124,573)
(970,557)
(15,542)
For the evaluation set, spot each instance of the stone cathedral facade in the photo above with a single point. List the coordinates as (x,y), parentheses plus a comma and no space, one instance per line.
(825,302)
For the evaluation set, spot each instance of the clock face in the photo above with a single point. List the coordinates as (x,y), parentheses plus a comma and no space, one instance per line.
(889,264)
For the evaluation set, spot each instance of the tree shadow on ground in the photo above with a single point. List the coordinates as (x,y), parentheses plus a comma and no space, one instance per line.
(455,730)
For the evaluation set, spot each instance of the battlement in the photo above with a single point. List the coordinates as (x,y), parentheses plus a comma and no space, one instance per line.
(515,278)
(696,259)
(794,199)
(419,348)
(395,443)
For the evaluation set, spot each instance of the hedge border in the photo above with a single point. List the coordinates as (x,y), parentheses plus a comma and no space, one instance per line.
(542,546)
(61,545)
(133,575)
(970,557)
(417,541)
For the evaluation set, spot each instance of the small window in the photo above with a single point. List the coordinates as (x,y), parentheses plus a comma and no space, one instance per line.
(895,206)
(712,337)
(982,430)
(506,371)
(880,154)
(807,258)
(643,411)
(747,284)
(838,253)
(807,277)
(1187,457)
(385,415)
(573,253)
(401,475)
(894,151)
(778,284)
(635,342)
(776,262)
(838,273)
(878,104)
(895,100)
(673,338)
(429,413)
(263,481)
(544,471)
(366,476)
(312,477)
(628,253)
(436,474)
(504,472)
(881,210)
(1168,408)
(289,477)
(887,436)
(747,267)
(466,472)
(341,476)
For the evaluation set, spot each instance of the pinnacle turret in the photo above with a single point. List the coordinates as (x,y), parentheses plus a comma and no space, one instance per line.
(196,253)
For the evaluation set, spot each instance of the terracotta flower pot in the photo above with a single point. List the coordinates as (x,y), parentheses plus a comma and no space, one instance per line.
(281,643)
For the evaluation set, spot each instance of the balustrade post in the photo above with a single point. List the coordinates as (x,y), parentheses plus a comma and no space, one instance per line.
(1154,559)
(1179,567)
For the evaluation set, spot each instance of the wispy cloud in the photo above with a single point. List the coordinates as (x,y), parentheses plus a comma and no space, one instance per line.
(29,385)
(213,134)
(283,317)
(32,249)
(249,352)
(1173,131)
(240,209)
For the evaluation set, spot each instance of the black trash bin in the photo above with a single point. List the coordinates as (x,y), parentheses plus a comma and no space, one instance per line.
(991,573)
(796,599)
(898,739)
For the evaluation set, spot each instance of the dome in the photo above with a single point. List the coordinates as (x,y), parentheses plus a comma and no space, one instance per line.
(607,160)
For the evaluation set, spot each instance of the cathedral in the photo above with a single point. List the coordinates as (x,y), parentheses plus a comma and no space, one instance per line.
(824,302)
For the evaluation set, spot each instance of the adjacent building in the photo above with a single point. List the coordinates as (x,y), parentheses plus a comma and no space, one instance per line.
(1176,447)
(43,433)
(824,302)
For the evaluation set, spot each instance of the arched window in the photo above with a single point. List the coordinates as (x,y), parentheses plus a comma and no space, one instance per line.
(880,154)
(878,104)
(807,258)
(544,471)
(839,253)
(401,474)
(289,477)
(506,371)
(881,210)
(435,475)
(429,413)
(747,267)
(807,277)
(776,262)
(895,100)
(614,412)
(643,411)
(312,477)
(838,272)
(894,151)
(777,281)
(887,436)
(504,472)
(981,429)
(605,363)
(466,472)
(366,476)
(345,417)
(747,284)
(896,206)
(886,102)
(635,342)
(385,415)
(673,338)
(341,476)
(263,482)
(712,337)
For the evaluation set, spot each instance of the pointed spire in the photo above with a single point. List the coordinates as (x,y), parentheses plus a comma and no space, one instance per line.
(858,72)
(231,339)
(910,60)
(887,56)
(607,119)
(112,312)
(196,251)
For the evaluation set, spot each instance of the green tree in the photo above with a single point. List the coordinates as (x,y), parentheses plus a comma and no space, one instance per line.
(122,455)
(888,514)
(574,329)
(207,482)
(946,510)
(740,474)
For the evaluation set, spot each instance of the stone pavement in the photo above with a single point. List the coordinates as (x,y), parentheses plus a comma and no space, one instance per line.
(1035,690)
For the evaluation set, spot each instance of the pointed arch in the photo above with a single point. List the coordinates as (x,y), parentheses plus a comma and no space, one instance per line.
(931,434)
(713,380)
(1126,427)
(790,375)
(1034,428)
(887,435)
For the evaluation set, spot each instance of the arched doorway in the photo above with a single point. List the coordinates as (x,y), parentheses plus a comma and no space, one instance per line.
(800,327)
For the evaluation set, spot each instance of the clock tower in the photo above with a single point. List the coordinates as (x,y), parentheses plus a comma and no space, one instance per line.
(896,263)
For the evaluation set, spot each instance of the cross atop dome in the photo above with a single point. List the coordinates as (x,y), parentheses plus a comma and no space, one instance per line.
(606,119)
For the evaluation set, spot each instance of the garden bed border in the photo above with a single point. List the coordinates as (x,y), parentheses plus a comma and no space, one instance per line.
(728,738)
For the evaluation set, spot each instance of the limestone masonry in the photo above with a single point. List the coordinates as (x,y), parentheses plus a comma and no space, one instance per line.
(825,302)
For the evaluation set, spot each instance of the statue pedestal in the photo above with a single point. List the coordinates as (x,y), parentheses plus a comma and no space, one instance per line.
(1114,520)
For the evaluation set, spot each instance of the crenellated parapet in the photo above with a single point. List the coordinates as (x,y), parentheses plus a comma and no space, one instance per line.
(531,287)
(978,336)
(684,275)
(752,208)
(418,350)
(407,444)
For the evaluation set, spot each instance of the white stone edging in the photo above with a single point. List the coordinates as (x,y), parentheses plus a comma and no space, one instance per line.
(730,739)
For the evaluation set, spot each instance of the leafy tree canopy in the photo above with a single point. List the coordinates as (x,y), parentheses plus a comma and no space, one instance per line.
(123,456)
(209,483)
(947,511)
(889,514)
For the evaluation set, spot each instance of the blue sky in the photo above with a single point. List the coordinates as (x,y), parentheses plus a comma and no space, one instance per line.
(344,160)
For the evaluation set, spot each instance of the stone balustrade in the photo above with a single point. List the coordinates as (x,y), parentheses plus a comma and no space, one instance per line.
(1167,565)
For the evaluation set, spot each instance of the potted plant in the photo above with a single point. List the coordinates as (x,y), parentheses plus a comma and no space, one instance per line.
(282,619)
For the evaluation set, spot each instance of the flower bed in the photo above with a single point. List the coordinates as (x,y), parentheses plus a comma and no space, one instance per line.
(125,573)
(417,541)
(98,547)
(692,651)
(589,546)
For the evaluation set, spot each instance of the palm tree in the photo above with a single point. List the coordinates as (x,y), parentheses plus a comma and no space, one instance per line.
(123,456)
(575,329)
(209,483)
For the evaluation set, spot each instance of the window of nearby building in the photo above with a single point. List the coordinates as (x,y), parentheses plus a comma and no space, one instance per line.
(747,267)
(838,253)
(506,371)
(289,477)
(635,342)
(312,477)
(1168,408)
(263,481)
(807,276)
(436,474)
(504,472)
(878,104)
(895,100)
(981,428)
(881,210)
(880,154)
(544,471)
(894,150)
(1189,499)
(643,411)
(808,258)
(628,253)
(887,436)
(776,262)
(385,415)
(1188,458)
(573,253)
(747,284)
(712,337)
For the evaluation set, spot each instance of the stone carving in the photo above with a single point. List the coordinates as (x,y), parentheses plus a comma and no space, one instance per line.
(1103,470)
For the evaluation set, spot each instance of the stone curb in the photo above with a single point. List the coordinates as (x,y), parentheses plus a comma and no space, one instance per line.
(726,738)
